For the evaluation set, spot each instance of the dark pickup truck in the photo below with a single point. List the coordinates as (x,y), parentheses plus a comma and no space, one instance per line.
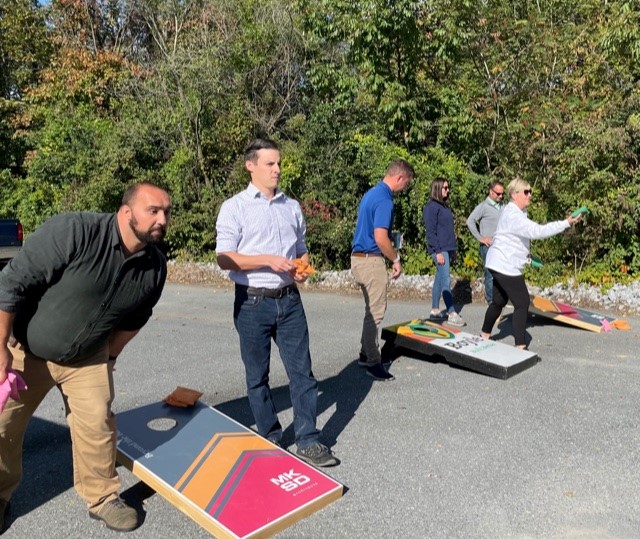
(10,239)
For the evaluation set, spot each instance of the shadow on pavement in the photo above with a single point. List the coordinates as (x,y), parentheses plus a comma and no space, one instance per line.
(346,390)
(47,467)
(462,293)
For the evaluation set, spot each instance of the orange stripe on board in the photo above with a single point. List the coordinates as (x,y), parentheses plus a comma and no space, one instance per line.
(545,304)
(202,455)
(214,463)
(196,462)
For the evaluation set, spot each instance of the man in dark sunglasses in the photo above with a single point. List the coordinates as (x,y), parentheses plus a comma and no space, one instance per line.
(482,223)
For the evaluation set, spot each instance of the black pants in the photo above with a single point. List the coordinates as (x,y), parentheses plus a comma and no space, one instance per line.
(505,288)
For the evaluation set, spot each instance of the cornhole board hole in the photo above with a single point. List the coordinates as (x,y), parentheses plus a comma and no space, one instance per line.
(457,347)
(227,478)
(568,314)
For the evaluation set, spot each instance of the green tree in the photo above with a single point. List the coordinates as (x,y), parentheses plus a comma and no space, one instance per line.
(24,52)
(374,55)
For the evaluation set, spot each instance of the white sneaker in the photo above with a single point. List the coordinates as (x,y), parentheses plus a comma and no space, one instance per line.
(455,319)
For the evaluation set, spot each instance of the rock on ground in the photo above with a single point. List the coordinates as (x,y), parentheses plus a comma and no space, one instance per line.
(621,299)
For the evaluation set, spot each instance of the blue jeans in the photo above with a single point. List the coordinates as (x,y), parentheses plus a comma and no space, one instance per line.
(488,276)
(442,284)
(259,319)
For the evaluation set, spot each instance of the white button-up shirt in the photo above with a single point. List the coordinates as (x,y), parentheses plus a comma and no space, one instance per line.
(251,224)
(509,251)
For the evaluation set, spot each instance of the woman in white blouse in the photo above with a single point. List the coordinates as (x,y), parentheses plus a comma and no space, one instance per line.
(508,254)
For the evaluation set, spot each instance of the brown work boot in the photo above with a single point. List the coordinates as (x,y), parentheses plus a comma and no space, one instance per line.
(117,515)
(4,505)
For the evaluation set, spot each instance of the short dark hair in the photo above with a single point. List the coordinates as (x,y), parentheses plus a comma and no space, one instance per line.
(495,183)
(400,166)
(133,189)
(436,189)
(252,149)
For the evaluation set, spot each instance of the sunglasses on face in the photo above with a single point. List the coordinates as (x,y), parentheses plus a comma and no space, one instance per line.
(445,187)
(498,193)
(528,192)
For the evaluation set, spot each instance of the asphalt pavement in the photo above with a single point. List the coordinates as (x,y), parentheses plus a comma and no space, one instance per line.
(441,452)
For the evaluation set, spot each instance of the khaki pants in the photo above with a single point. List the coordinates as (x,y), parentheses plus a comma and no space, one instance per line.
(371,274)
(87,391)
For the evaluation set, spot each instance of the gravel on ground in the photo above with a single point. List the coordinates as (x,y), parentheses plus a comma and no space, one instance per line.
(622,299)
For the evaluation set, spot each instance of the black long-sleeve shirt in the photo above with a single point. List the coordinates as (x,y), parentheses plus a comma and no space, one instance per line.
(71,286)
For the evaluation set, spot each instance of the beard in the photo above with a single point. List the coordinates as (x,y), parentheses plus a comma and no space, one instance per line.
(151,236)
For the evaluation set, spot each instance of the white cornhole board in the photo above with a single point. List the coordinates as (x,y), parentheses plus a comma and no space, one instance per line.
(457,347)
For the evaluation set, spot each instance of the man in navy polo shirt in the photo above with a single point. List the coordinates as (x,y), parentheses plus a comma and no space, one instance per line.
(371,247)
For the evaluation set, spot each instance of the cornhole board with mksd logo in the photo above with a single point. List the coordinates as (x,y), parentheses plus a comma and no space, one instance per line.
(231,481)
(457,347)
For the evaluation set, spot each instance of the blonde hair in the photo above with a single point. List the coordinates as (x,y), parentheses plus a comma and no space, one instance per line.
(517,185)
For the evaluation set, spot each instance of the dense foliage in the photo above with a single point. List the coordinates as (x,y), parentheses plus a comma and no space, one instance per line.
(95,94)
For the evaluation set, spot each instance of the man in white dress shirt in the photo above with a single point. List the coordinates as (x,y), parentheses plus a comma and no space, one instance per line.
(260,231)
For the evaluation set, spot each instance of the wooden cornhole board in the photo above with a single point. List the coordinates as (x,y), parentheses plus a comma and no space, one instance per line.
(457,347)
(231,481)
(568,314)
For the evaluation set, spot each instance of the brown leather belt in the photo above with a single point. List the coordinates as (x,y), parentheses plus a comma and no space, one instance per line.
(365,255)
(267,292)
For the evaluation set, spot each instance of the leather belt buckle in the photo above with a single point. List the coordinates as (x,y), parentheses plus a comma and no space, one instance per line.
(275,293)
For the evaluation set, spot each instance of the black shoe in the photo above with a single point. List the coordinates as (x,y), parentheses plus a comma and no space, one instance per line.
(317,454)
(364,361)
(378,372)
(386,362)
